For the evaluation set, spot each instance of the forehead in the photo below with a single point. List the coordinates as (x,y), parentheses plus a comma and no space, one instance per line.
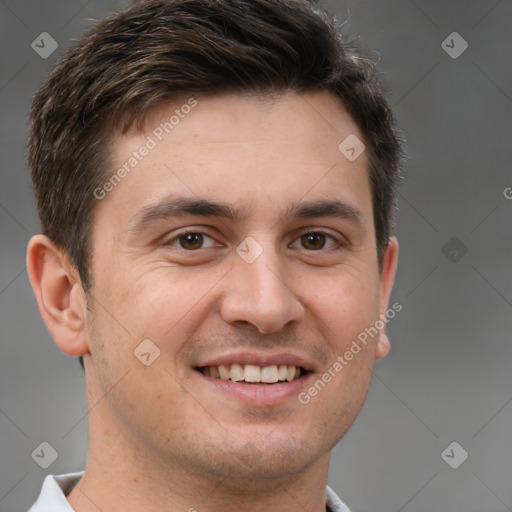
(261,154)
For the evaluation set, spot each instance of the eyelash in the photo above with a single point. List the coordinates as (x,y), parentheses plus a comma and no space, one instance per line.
(177,237)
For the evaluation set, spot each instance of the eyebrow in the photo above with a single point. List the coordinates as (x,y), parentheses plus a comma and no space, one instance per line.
(325,208)
(176,207)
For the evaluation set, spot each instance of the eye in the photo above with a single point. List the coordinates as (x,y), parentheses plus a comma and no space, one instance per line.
(316,241)
(192,241)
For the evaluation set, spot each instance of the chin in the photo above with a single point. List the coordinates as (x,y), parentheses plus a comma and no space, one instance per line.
(247,467)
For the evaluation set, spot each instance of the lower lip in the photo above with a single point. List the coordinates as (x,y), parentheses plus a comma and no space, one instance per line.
(263,394)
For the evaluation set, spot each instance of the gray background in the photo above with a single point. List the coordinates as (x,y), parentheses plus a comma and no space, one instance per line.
(448,376)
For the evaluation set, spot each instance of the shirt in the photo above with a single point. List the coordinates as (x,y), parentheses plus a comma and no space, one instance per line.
(56,487)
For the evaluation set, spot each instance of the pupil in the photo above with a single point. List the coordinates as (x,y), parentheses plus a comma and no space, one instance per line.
(314,240)
(191,241)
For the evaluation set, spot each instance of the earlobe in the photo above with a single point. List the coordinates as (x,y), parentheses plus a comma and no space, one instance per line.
(383,346)
(59,294)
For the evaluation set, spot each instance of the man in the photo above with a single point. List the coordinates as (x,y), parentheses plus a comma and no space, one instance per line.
(215,181)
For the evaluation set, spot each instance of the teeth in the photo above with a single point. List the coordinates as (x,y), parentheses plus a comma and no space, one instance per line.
(253,373)
(269,374)
(236,373)
(223,372)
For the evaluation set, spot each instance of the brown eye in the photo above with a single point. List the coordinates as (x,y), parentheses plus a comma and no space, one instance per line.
(191,241)
(313,241)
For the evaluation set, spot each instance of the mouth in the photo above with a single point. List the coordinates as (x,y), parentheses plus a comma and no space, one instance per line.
(252,374)
(255,379)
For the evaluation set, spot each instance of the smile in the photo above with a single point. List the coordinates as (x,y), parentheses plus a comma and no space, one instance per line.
(253,374)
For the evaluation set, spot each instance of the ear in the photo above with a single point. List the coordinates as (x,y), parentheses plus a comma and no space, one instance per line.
(59,293)
(387,279)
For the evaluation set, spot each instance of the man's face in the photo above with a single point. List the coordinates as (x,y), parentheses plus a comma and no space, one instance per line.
(290,278)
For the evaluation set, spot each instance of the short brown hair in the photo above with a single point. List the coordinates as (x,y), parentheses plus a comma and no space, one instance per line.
(159,50)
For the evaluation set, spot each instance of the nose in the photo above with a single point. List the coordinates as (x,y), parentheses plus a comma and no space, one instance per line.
(260,295)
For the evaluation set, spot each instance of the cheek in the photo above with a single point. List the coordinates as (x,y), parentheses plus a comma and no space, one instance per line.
(135,393)
(345,305)
(345,301)
(163,303)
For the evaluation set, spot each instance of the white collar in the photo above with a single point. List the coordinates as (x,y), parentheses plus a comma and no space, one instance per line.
(52,497)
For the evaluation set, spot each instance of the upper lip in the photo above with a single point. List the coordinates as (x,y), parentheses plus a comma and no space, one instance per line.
(257,360)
